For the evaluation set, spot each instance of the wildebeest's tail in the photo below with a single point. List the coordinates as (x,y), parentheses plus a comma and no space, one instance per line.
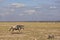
(10,28)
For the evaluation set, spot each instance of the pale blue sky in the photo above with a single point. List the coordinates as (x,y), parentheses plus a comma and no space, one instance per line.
(28,2)
(29,10)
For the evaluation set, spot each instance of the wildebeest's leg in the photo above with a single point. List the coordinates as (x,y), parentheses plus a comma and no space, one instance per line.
(12,30)
(19,30)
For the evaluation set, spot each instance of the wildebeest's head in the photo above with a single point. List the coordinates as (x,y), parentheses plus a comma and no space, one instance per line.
(21,26)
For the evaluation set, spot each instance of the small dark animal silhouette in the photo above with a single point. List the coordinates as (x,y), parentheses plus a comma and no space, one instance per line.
(50,37)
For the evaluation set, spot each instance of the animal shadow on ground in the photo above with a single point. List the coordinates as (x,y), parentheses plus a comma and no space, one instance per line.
(16,32)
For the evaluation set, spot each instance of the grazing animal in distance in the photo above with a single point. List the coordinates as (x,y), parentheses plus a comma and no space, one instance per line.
(50,37)
(17,27)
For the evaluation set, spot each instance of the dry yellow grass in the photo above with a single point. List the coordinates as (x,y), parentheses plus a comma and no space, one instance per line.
(32,31)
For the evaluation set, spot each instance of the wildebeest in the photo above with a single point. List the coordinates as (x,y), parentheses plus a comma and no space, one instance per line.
(50,37)
(17,27)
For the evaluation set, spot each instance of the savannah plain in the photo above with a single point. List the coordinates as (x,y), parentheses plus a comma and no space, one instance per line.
(32,31)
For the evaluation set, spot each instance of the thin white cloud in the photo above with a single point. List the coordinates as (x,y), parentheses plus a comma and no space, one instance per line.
(5,14)
(2,0)
(37,7)
(34,0)
(52,6)
(30,11)
(12,10)
(17,5)
(27,12)
(1,14)
(21,14)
